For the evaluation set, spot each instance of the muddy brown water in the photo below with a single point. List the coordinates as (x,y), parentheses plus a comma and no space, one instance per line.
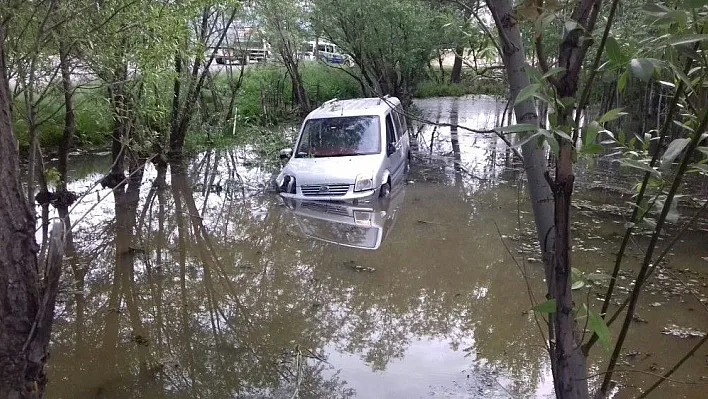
(200,283)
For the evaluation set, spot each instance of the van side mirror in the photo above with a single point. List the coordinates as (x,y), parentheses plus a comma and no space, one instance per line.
(286,153)
(390,149)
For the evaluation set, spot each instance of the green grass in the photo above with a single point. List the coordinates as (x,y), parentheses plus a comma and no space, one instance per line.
(266,94)
(93,120)
(264,99)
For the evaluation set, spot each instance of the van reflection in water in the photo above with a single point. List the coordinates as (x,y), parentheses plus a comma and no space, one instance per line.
(362,225)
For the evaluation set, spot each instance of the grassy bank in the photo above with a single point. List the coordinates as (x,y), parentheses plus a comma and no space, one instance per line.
(470,83)
(93,120)
(264,100)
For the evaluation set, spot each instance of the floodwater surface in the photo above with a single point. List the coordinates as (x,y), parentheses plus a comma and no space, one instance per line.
(198,281)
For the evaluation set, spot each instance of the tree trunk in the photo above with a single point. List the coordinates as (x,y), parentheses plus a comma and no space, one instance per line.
(570,374)
(535,163)
(27,307)
(442,68)
(567,360)
(456,75)
(69,115)
(183,105)
(302,102)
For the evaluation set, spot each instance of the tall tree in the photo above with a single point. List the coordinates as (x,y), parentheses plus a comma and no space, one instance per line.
(551,197)
(27,309)
(283,24)
(391,42)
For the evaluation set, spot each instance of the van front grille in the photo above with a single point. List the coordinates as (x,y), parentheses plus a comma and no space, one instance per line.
(325,190)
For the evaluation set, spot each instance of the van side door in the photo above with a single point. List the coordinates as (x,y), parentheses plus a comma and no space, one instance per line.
(402,130)
(393,147)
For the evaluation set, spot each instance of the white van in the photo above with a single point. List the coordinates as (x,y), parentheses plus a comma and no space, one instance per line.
(326,52)
(347,150)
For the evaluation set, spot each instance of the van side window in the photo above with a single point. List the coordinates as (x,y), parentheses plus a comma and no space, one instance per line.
(397,121)
(390,131)
(401,118)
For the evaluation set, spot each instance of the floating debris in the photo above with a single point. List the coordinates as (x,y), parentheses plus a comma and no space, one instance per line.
(655,304)
(682,332)
(358,268)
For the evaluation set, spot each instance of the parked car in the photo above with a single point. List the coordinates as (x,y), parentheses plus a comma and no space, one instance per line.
(362,226)
(326,52)
(347,150)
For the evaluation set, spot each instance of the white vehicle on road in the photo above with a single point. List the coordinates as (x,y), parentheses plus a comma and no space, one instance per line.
(347,150)
(326,52)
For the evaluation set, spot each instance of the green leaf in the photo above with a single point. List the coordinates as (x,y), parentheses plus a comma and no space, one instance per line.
(518,128)
(590,133)
(681,75)
(614,52)
(598,326)
(592,149)
(622,81)
(672,17)
(673,151)
(642,69)
(611,115)
(578,285)
(553,71)
(638,165)
(687,39)
(655,10)
(533,74)
(553,143)
(544,20)
(563,135)
(700,168)
(703,150)
(527,92)
(526,139)
(683,126)
(547,307)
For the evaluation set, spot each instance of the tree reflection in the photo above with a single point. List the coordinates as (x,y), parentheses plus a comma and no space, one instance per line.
(203,295)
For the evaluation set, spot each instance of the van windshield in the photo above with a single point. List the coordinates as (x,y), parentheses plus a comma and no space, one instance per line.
(340,137)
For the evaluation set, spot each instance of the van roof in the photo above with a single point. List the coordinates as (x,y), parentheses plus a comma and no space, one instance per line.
(354,107)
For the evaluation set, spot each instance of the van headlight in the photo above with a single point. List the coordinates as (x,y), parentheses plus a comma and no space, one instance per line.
(364,181)
(280,179)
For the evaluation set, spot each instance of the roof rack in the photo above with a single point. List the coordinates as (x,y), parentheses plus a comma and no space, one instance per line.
(329,102)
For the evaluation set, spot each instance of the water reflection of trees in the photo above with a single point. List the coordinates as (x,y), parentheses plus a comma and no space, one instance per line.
(456,156)
(192,294)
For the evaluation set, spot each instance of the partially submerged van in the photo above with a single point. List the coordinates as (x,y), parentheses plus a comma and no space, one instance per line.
(347,150)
